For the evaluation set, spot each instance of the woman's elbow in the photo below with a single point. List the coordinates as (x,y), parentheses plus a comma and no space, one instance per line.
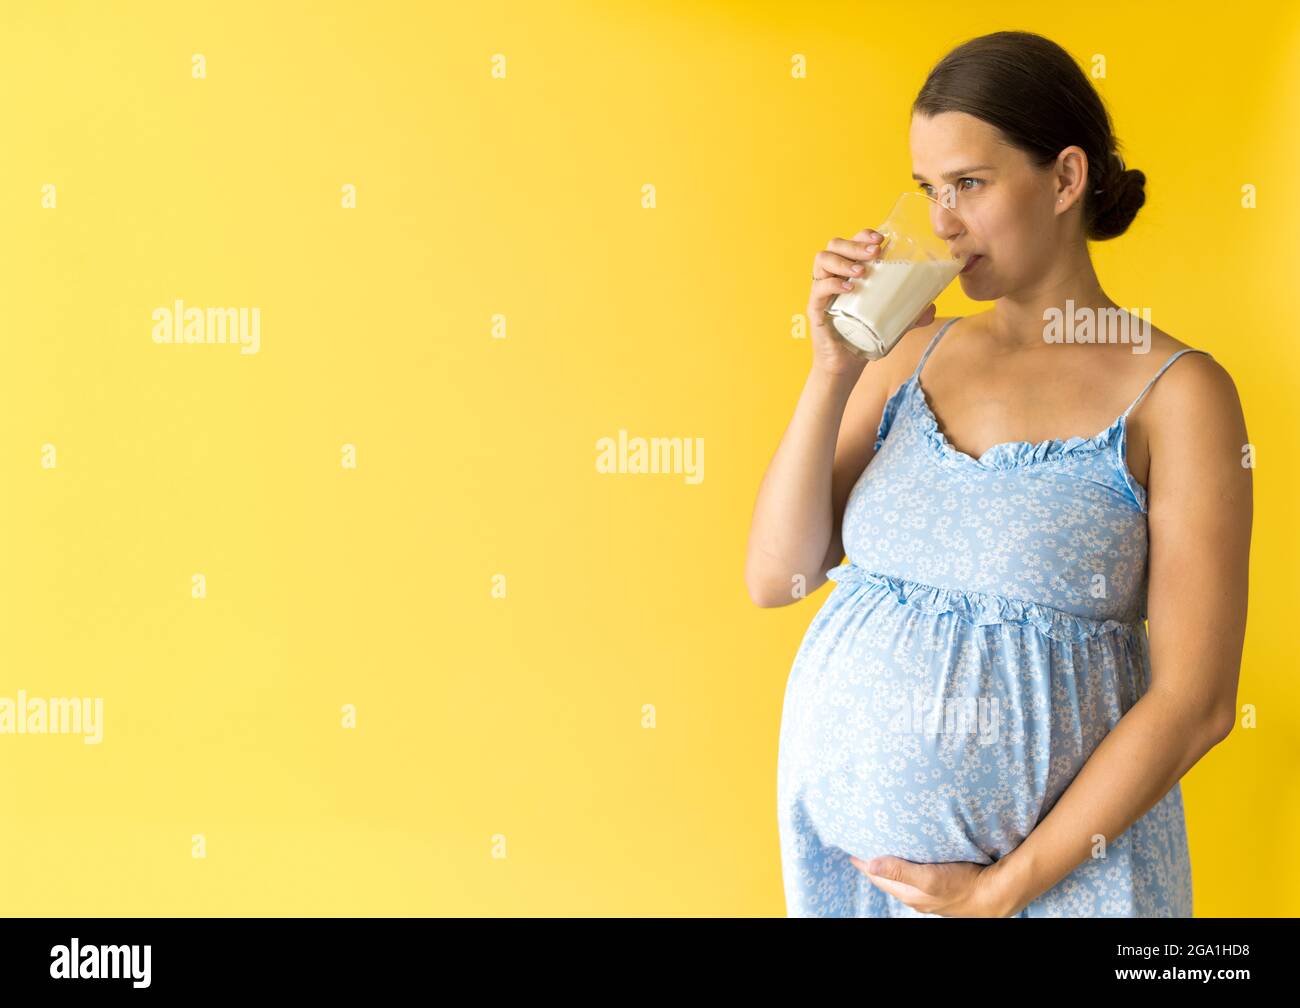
(765,596)
(771,594)
(1220,727)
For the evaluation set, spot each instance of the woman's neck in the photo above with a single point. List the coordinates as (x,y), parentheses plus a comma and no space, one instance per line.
(1018,321)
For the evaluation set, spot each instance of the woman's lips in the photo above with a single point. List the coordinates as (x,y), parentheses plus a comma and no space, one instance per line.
(970,263)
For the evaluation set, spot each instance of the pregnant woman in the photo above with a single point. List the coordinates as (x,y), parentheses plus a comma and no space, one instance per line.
(977,722)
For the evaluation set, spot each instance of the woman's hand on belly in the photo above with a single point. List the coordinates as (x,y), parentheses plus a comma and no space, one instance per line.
(951,889)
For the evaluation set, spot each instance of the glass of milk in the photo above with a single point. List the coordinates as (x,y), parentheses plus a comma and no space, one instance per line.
(912,268)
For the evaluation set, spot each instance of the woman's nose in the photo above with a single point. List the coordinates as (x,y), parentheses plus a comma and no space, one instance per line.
(947,225)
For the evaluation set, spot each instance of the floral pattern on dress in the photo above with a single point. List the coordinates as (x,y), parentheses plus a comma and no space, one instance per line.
(983,636)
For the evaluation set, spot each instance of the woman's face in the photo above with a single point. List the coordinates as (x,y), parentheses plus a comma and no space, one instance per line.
(1008,207)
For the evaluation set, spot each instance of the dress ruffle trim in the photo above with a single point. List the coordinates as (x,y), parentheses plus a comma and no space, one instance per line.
(982,609)
(1010,454)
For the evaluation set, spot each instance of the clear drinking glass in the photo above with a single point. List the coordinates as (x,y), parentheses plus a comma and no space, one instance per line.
(912,268)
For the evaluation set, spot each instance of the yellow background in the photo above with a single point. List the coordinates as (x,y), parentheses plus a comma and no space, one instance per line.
(518,717)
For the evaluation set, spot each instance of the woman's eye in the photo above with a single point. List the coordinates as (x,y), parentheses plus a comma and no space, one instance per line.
(929,189)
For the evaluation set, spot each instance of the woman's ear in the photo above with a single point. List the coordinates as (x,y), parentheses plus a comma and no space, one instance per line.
(1071,174)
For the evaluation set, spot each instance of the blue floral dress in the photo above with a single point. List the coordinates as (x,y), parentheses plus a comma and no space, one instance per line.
(983,636)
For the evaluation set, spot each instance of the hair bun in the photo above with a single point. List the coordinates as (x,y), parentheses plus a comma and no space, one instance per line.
(1122,195)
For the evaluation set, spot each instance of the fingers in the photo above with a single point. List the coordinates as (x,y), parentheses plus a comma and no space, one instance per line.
(825,289)
(855,246)
(847,257)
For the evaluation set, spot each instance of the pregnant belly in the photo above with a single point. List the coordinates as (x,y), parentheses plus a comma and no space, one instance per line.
(920,736)
(966,793)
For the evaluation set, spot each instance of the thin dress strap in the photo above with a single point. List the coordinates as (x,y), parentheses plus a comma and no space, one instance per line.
(1173,357)
(933,340)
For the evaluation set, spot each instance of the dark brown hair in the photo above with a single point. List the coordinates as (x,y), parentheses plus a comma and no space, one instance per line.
(1038,96)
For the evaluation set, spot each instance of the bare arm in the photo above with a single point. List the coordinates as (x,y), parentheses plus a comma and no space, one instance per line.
(794,535)
(795,527)
(1200,515)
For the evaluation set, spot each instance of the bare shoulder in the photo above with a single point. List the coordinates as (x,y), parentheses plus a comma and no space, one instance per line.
(1194,384)
(902,360)
(879,380)
(1194,392)
(1194,454)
